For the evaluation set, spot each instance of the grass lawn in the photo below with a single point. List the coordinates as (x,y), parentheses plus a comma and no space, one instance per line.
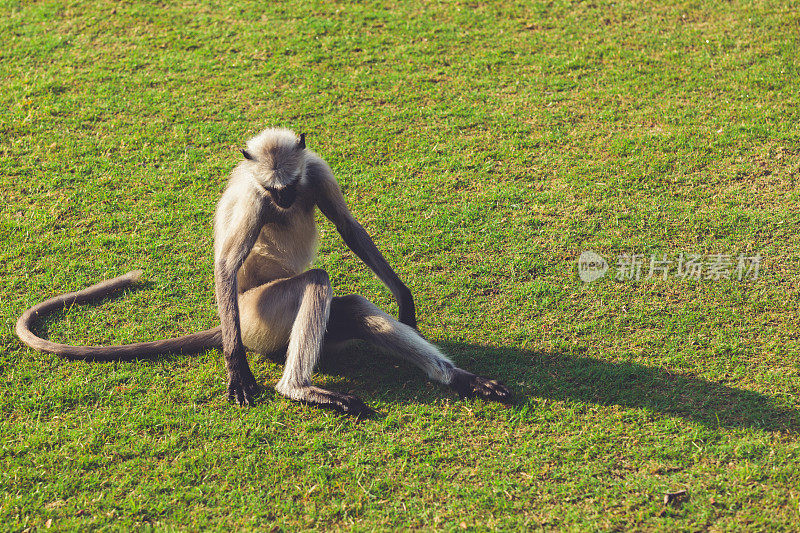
(484,145)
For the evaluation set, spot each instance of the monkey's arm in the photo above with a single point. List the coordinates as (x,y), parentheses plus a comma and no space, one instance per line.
(236,227)
(331,202)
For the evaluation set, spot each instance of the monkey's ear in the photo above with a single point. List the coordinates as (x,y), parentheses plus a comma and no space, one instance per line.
(301,144)
(247,155)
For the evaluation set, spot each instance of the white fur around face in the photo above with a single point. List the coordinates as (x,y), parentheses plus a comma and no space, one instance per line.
(271,137)
(278,160)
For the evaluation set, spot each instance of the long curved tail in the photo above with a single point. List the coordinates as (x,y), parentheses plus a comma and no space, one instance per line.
(211,338)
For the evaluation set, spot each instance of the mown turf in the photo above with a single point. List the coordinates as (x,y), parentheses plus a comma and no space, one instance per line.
(484,145)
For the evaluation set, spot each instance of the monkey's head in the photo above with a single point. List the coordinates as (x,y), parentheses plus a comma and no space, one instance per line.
(278,161)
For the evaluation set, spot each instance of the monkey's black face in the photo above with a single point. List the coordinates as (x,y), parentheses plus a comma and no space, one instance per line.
(285,196)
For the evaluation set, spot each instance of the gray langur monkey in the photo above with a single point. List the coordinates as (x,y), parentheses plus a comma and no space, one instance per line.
(265,239)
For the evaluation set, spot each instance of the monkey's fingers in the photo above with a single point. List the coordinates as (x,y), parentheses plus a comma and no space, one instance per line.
(242,392)
(469,385)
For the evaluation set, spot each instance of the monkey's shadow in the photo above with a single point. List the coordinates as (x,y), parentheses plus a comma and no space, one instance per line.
(557,376)
(360,368)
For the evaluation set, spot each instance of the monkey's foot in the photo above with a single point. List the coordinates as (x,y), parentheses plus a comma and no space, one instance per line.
(468,385)
(343,403)
(242,387)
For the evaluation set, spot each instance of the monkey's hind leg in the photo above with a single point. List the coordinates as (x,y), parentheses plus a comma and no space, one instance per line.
(295,310)
(355,317)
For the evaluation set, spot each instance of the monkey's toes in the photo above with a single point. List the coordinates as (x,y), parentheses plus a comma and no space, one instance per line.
(491,389)
(351,405)
(469,385)
(342,403)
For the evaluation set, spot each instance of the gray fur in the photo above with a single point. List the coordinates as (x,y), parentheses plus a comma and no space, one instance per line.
(285,305)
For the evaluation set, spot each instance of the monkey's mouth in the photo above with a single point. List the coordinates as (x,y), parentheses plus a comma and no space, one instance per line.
(284,197)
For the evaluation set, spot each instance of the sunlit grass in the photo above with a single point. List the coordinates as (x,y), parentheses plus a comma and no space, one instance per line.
(484,146)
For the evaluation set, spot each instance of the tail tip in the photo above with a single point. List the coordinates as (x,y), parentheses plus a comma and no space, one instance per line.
(134,275)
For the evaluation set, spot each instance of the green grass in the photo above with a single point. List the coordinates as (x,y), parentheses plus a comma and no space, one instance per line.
(484,146)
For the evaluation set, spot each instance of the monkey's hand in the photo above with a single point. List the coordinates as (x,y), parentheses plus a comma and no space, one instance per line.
(468,385)
(242,386)
(408,314)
